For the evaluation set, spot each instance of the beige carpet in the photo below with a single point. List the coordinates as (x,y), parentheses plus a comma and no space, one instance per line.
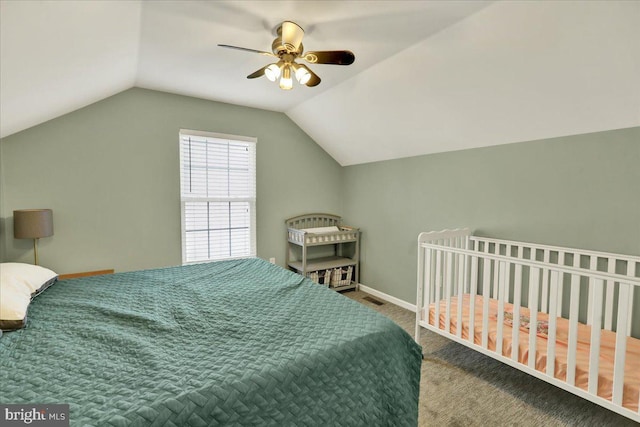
(461,387)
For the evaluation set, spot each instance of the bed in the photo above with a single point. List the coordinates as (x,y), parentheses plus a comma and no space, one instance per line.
(239,342)
(563,315)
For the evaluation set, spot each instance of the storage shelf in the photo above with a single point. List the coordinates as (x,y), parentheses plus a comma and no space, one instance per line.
(352,285)
(324,263)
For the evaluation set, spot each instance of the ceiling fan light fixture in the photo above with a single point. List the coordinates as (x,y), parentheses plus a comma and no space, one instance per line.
(286,82)
(272,72)
(302,75)
(286,48)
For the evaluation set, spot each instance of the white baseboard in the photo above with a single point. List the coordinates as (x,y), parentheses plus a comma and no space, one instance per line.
(389,298)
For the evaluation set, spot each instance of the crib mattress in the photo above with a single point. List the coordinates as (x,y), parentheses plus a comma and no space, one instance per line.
(607,347)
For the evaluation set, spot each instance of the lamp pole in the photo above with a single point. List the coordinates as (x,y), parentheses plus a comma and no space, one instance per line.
(35,250)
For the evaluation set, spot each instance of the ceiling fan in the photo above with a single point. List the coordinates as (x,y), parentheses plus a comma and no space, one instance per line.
(287,47)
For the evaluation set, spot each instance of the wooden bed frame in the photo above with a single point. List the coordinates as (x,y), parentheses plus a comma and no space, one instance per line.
(453,263)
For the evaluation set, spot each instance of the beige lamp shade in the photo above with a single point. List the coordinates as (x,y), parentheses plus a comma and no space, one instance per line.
(32,223)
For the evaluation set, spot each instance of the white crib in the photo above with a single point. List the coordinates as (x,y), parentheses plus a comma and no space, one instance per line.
(488,294)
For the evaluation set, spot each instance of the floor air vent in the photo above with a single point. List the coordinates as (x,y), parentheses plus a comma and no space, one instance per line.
(373,300)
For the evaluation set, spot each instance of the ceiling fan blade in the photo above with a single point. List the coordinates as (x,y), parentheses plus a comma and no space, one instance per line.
(258,73)
(261,52)
(314,80)
(335,57)
(292,35)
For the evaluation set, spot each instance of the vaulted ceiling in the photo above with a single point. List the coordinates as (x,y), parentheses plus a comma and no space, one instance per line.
(429,76)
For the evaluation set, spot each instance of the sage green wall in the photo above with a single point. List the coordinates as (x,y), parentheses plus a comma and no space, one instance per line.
(3,233)
(580,191)
(110,173)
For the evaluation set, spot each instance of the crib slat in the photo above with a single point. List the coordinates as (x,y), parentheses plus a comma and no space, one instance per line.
(423,290)
(596,286)
(503,272)
(454,264)
(553,317)
(545,283)
(467,265)
(486,288)
(495,290)
(487,249)
(432,275)
(438,282)
(462,274)
(608,318)
(593,266)
(630,272)
(630,310)
(448,280)
(467,278)
(621,343)
(574,306)
(517,300)
(430,291)
(534,281)
(561,257)
(472,298)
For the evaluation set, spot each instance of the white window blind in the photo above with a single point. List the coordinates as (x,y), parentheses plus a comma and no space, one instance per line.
(218,196)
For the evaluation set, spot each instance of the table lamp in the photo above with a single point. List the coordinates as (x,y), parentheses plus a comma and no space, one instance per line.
(33,224)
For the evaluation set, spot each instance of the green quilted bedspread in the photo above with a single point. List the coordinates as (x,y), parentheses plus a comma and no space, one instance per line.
(226,343)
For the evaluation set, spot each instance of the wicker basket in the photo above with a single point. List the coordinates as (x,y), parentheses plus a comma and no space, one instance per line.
(322,277)
(341,276)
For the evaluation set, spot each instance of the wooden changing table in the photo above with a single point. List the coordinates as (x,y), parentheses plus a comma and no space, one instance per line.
(345,241)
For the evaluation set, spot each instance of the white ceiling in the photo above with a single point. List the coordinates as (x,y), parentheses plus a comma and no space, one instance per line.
(514,71)
(58,56)
(429,76)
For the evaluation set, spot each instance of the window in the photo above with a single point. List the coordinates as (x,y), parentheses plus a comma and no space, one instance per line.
(217,196)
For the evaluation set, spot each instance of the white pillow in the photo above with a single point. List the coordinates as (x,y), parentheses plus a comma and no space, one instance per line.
(19,283)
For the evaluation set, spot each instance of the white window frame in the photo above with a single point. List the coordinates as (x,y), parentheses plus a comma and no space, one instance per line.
(251,200)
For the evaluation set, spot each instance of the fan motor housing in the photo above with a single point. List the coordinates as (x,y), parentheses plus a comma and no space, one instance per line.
(279,48)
